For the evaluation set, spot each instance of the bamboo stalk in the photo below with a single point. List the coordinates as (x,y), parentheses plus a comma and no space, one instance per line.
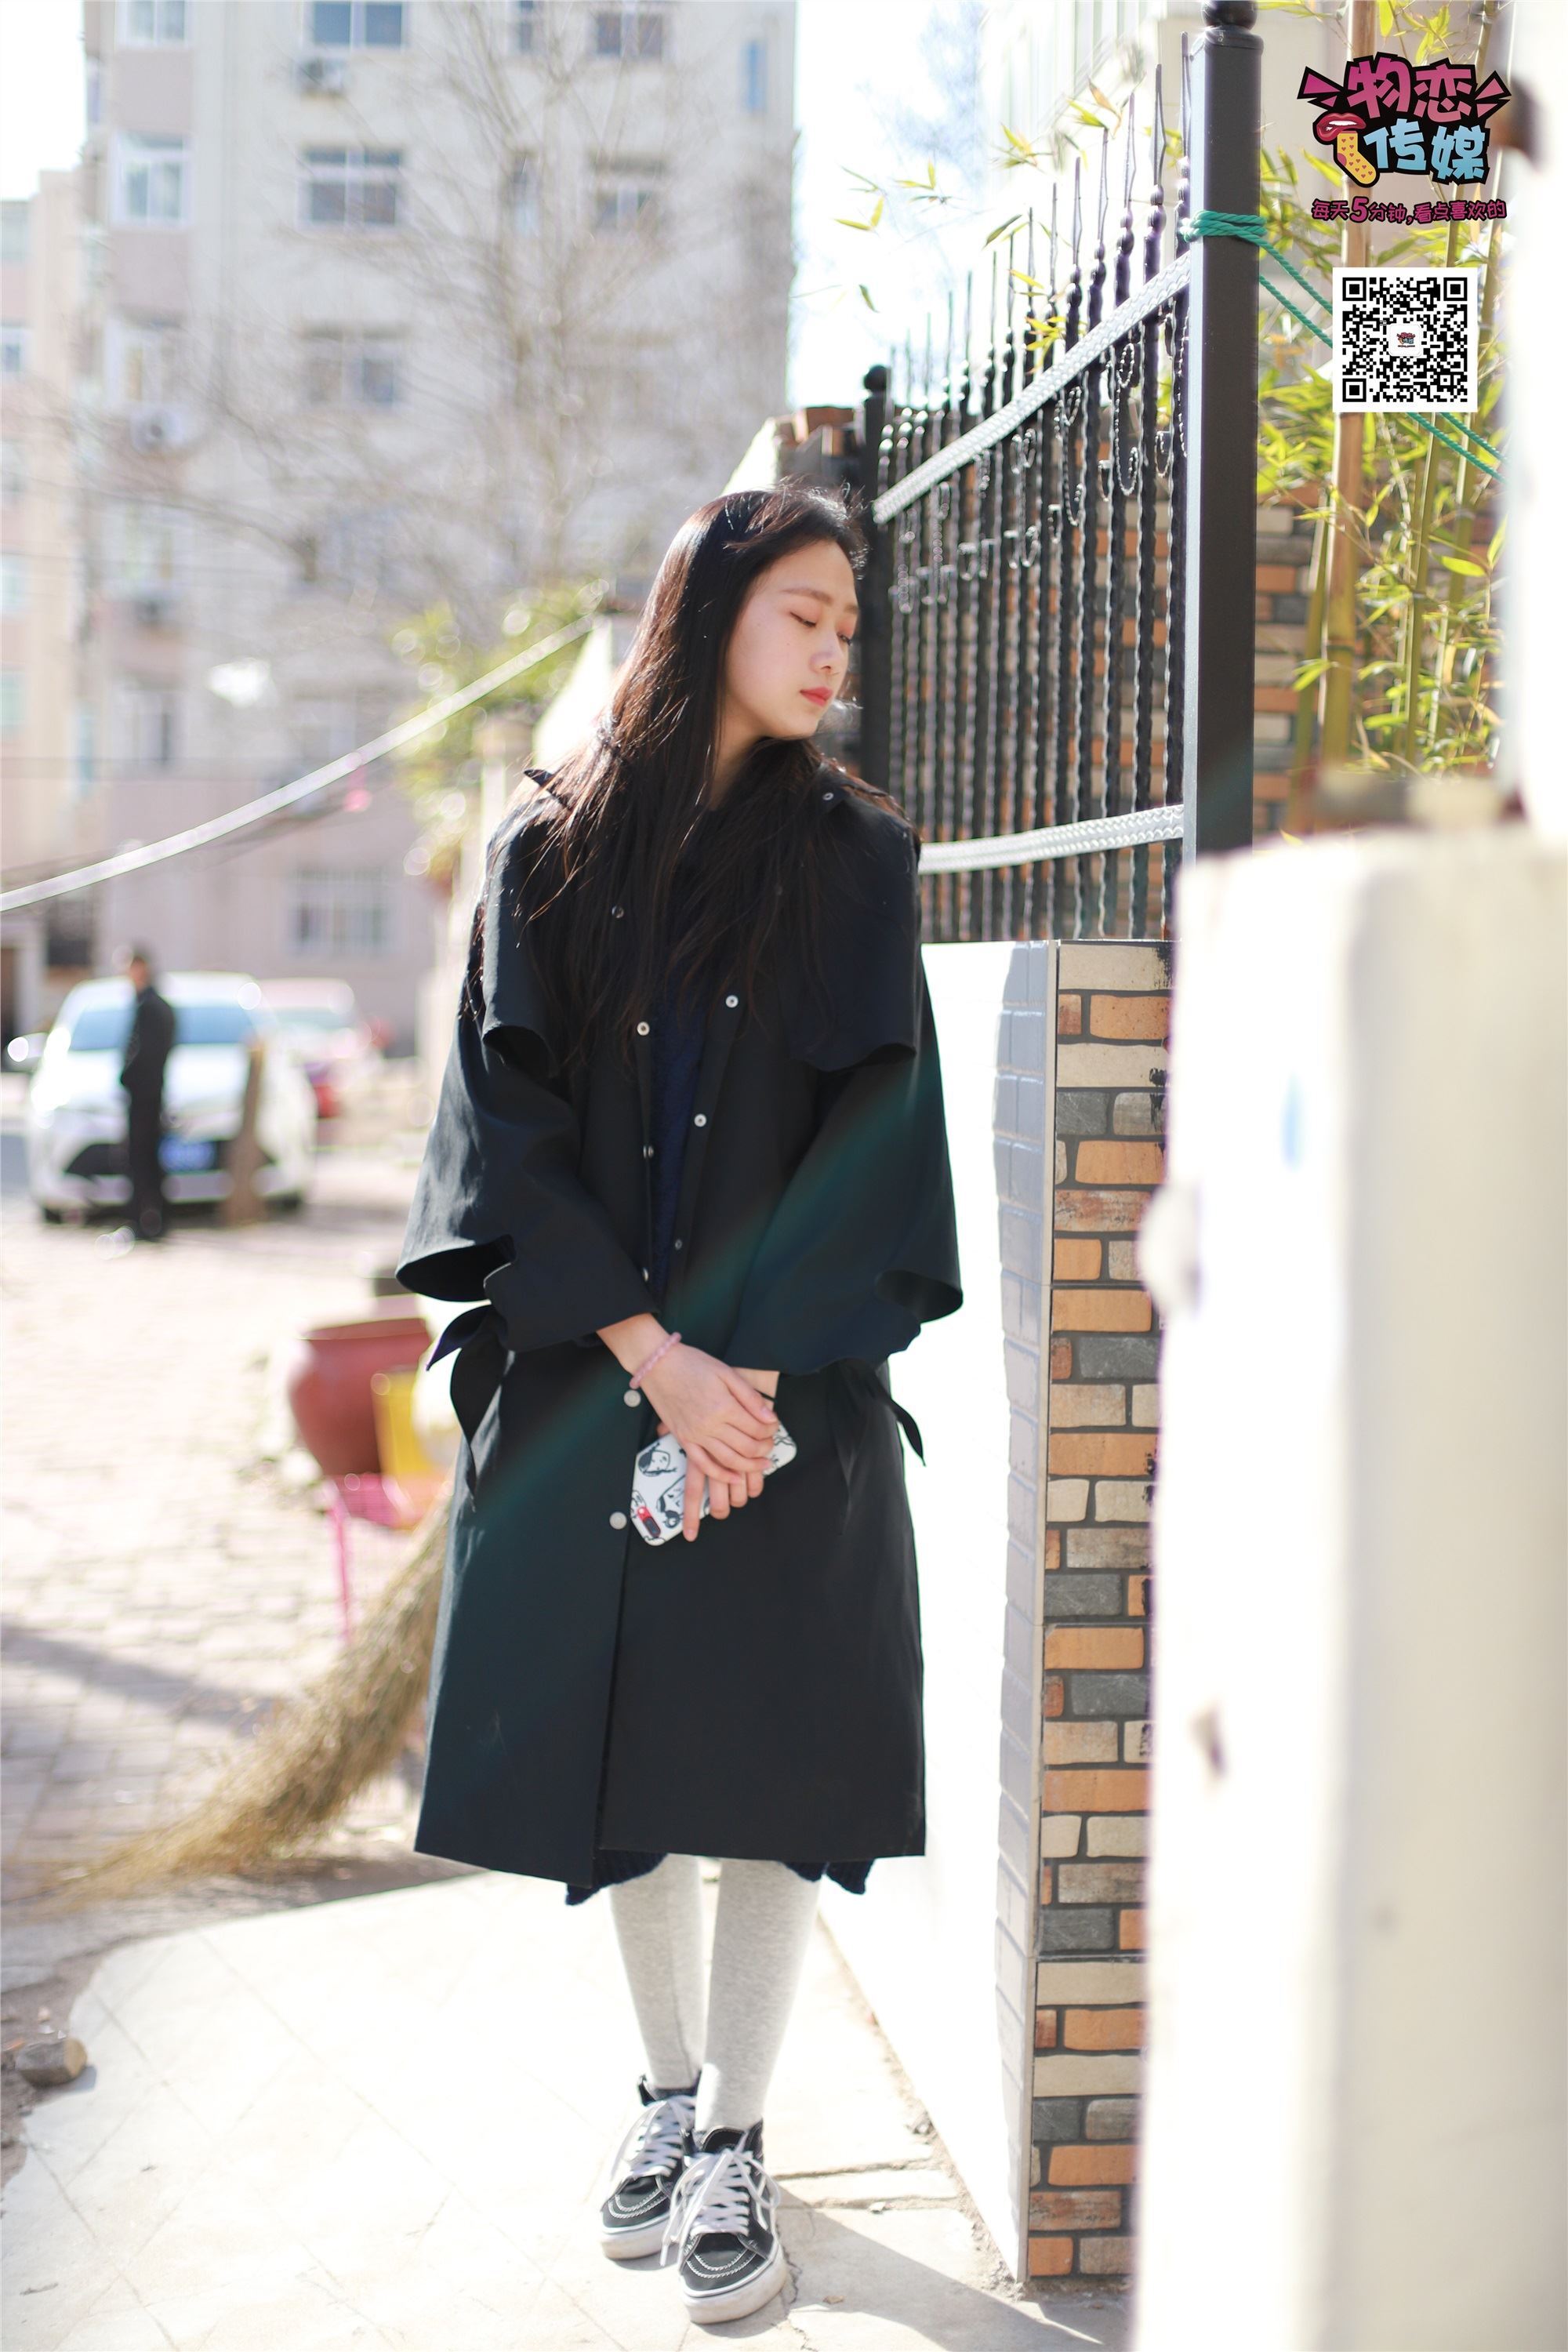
(1348,488)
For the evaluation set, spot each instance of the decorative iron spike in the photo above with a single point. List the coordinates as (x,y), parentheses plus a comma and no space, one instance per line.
(1154,230)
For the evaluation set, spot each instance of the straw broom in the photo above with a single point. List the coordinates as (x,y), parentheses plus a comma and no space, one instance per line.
(308,1759)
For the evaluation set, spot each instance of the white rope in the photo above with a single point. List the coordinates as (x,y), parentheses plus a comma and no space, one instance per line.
(196,837)
(1095,832)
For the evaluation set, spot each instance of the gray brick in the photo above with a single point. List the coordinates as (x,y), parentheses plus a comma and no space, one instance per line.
(1081,1110)
(1022,1235)
(1054,2120)
(1021,1370)
(1026,1040)
(1031,1108)
(1139,1111)
(1012,1836)
(1083,1596)
(1005,1103)
(1024,1445)
(1117,1355)
(1097,1695)
(1014,1769)
(1021,1577)
(1109,2119)
(1022,1508)
(1021,1309)
(1077,1931)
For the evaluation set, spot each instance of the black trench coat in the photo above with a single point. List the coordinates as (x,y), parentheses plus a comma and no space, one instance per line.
(758,1692)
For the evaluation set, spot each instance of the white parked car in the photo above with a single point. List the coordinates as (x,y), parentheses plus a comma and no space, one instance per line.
(77,1107)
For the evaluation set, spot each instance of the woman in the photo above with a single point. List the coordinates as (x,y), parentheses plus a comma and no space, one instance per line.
(691,1154)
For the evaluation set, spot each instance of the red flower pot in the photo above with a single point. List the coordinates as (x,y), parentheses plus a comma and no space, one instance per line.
(328,1386)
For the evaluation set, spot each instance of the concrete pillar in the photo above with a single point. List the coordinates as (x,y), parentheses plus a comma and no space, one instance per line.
(1354,2122)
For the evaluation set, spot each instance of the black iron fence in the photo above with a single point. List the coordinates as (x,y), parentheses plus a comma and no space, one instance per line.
(1057,668)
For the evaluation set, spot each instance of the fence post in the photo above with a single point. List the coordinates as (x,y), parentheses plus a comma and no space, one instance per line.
(875,590)
(1221,422)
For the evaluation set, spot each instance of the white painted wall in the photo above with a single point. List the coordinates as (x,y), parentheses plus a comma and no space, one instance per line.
(1354,2119)
(921,1939)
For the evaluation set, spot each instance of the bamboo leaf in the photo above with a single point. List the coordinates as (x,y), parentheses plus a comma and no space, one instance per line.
(866,298)
(1462,563)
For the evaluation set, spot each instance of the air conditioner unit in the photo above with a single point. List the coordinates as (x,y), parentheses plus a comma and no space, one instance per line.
(326,77)
(160,428)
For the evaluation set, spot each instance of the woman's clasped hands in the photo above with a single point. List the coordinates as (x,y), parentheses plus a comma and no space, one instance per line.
(725,1420)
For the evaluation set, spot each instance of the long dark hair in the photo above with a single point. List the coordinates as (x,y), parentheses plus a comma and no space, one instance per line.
(631,796)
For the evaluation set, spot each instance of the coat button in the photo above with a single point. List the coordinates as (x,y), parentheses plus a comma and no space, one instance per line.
(701,1119)
(633,1396)
(642,1028)
(731,1001)
(680,1244)
(617,1518)
(647,1152)
(828,797)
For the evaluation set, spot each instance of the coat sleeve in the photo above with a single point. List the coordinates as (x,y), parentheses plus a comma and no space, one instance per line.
(499,1211)
(862,1246)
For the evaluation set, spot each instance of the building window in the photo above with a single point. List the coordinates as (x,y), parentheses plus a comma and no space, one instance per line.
(151,181)
(13,230)
(526,28)
(344,370)
(12,469)
(356,24)
(627,33)
(13,584)
(754,77)
(336,912)
(625,196)
(13,348)
(153,24)
(523,197)
(152,725)
(146,548)
(11,702)
(349,187)
(144,360)
(324,726)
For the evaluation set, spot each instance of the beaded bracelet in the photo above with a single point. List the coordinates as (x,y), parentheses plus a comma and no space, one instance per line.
(648,1363)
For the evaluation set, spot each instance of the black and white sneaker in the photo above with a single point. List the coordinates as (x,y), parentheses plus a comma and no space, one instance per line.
(722,2227)
(645,2169)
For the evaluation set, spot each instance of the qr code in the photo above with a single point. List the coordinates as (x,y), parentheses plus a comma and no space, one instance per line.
(1406,339)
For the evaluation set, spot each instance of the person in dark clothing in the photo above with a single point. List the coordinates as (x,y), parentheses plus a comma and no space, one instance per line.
(147,1051)
(689,1178)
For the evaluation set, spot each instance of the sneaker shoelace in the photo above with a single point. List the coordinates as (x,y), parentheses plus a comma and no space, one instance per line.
(716,2192)
(657,2140)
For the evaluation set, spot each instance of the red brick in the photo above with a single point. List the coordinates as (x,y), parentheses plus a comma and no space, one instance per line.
(1101,1310)
(1130,1936)
(1101,2257)
(1052,1548)
(1054,1696)
(1061,1359)
(1102,2029)
(1137,1596)
(1076,1261)
(1278,579)
(1089,2168)
(1075,2209)
(1096,1211)
(1100,1453)
(1045,2035)
(1129,1016)
(1107,1791)
(1050,2257)
(1069,1016)
(1120,1163)
(1088,1647)
(1274,697)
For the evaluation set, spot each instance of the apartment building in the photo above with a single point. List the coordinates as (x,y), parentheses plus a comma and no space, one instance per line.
(387,305)
(47,821)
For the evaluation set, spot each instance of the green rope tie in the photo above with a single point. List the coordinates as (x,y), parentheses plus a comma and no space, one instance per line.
(1252,229)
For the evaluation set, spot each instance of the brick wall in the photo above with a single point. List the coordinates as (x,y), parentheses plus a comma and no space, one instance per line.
(1101,1081)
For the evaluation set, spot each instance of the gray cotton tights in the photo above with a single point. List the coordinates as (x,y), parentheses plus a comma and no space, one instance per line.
(760,1935)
